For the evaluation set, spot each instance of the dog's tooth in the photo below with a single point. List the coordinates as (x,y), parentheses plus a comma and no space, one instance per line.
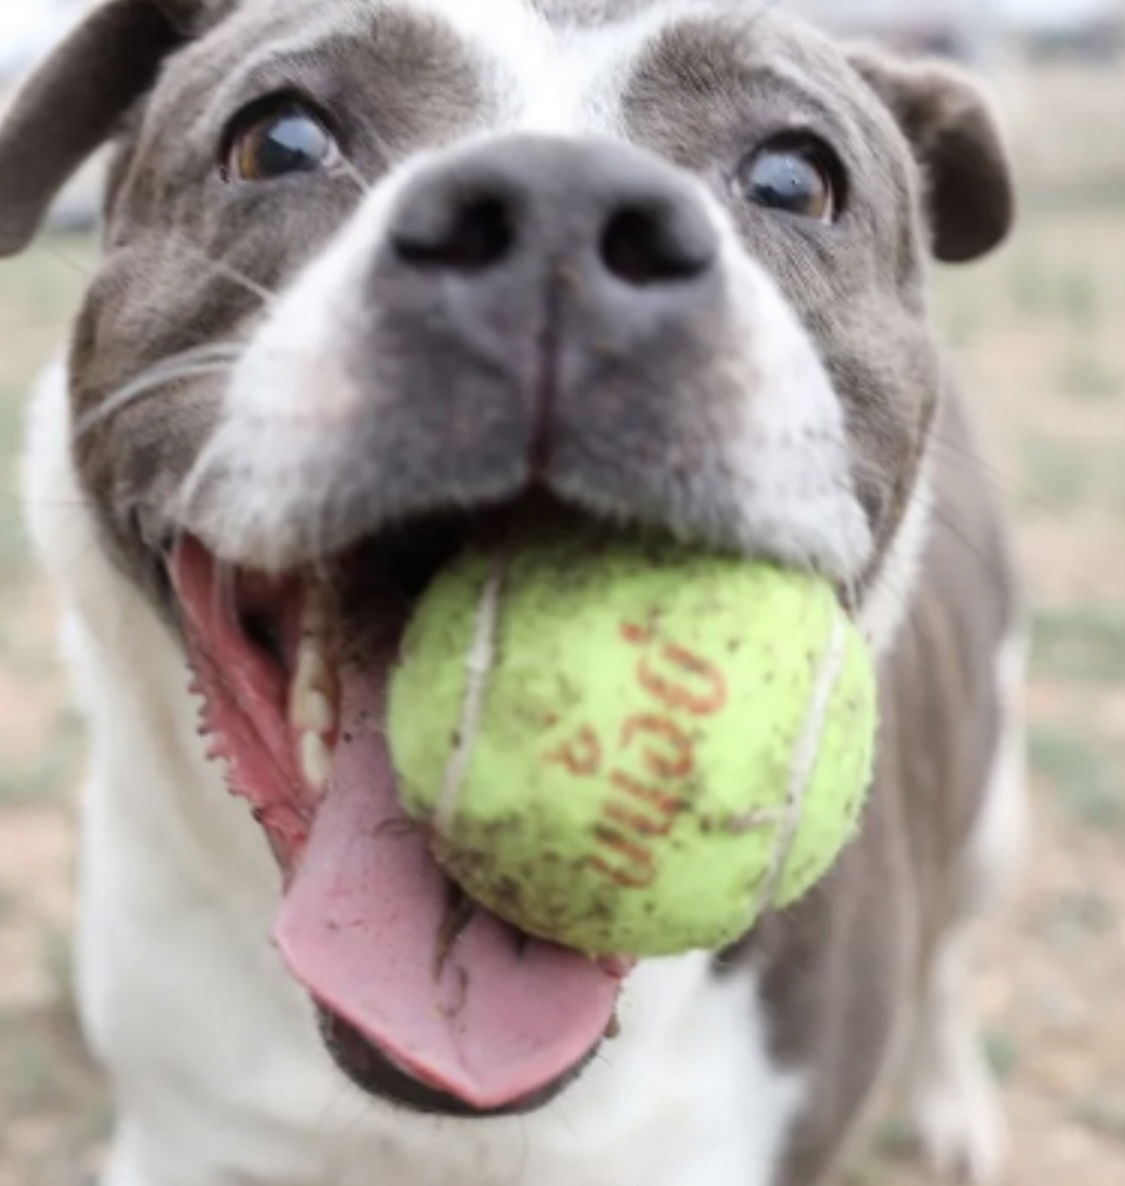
(318,713)
(313,668)
(316,760)
(314,614)
(313,694)
(321,675)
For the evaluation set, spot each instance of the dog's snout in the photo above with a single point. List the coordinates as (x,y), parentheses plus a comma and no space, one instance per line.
(525,288)
(525,204)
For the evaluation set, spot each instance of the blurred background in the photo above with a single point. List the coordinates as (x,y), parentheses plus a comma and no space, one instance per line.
(1038,334)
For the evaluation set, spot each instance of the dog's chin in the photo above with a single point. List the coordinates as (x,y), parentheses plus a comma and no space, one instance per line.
(377,1074)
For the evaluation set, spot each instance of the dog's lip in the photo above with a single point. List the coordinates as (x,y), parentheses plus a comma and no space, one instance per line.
(242,700)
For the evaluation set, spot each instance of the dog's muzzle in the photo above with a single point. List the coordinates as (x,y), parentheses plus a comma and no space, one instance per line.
(546,269)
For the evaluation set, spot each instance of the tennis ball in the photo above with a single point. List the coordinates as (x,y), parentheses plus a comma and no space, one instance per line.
(632,749)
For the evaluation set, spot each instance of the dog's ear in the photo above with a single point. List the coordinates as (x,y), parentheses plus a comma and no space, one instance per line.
(73,103)
(957,141)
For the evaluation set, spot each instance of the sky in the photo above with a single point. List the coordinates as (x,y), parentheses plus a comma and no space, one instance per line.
(27,27)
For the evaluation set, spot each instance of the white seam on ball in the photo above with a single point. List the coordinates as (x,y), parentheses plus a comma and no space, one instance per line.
(478,665)
(805,755)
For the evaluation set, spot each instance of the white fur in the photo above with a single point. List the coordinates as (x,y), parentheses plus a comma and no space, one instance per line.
(221,1079)
(951,1096)
(1000,836)
(952,1099)
(886,605)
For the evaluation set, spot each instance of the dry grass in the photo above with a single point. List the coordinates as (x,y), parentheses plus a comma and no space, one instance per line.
(1038,335)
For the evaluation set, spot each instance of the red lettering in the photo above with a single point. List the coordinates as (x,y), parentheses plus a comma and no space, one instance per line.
(636,635)
(663,802)
(705,700)
(581,755)
(643,825)
(628,864)
(678,761)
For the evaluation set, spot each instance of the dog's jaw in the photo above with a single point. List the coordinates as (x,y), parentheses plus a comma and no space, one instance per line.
(475,1012)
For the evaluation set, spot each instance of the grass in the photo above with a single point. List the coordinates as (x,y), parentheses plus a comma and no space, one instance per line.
(1064,476)
(1031,287)
(1087,378)
(1058,475)
(1082,643)
(1076,917)
(1080,775)
(42,1067)
(1106,192)
(1080,299)
(1104,1115)
(47,779)
(13,548)
(1001,1052)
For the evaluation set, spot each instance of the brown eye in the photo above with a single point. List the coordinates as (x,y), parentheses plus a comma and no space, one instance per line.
(796,178)
(286,140)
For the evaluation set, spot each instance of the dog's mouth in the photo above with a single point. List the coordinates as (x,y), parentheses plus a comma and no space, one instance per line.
(294,674)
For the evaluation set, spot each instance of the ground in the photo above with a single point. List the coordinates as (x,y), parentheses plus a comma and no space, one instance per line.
(1037,334)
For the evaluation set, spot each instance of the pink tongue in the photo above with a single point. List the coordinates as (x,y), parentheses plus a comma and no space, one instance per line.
(362,928)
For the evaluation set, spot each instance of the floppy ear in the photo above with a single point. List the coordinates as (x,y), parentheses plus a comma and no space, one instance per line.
(74,101)
(957,141)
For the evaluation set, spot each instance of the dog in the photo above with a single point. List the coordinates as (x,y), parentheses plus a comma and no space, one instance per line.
(377,275)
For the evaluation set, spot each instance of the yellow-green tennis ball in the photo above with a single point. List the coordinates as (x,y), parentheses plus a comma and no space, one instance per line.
(632,750)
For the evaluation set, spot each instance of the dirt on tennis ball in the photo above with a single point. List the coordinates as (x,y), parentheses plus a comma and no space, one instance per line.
(628,749)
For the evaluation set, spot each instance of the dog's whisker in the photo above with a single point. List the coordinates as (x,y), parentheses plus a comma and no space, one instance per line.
(197,362)
(971,460)
(993,566)
(352,171)
(235,275)
(86,271)
(139,390)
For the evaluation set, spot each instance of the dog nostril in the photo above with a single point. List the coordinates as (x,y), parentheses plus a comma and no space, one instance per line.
(476,235)
(652,246)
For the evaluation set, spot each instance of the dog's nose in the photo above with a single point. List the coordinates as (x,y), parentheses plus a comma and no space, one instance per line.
(517,208)
(525,285)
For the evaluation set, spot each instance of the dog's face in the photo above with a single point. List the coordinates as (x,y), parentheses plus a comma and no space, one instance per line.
(380,276)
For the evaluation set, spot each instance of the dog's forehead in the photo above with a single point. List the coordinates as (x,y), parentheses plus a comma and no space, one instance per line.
(552,65)
(495,14)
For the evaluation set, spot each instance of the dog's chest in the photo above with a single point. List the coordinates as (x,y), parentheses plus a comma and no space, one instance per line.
(678,1134)
(668,1107)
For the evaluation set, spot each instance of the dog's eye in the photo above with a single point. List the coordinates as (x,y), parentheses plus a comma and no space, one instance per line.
(794,175)
(284,140)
